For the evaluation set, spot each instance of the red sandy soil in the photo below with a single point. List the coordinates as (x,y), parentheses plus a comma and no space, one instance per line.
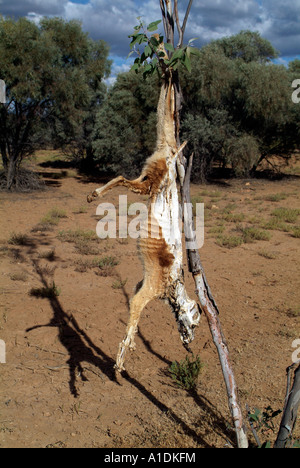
(58,387)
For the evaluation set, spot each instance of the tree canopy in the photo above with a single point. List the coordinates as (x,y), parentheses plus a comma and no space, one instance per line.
(126,123)
(53,73)
(248,46)
(237,109)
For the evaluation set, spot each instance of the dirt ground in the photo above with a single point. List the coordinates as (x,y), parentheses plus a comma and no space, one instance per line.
(64,307)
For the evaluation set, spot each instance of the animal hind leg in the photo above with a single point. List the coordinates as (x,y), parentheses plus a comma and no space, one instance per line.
(145,294)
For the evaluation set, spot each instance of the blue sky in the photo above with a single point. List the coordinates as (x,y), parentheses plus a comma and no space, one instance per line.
(113,20)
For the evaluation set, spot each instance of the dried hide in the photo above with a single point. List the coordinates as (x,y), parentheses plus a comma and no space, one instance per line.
(161,247)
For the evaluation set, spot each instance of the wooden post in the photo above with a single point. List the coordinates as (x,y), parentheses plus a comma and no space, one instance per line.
(210,309)
(292,402)
(208,305)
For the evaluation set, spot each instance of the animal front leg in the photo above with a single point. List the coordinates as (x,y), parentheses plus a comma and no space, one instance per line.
(101,191)
(138,186)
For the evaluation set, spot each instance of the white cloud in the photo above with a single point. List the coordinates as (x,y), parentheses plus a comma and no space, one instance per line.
(118,66)
(23,7)
(218,18)
(281,25)
(113,20)
(35,17)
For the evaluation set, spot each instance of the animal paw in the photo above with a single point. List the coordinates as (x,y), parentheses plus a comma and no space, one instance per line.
(119,368)
(91,197)
(132,346)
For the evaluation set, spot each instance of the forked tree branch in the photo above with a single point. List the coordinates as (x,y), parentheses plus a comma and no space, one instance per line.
(164,16)
(207,302)
(181,29)
(168,19)
(186,17)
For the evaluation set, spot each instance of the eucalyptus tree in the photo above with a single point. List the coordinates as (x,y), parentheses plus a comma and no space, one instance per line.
(53,74)
(163,266)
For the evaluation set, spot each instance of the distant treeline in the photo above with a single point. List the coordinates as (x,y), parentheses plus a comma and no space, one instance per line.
(238,110)
(238,106)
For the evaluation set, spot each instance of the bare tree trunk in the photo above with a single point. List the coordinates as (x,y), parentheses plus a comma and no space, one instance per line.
(292,402)
(4,156)
(11,173)
(208,305)
(3,142)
